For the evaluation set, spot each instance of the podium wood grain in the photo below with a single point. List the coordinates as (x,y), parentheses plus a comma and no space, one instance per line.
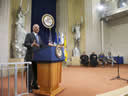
(49,78)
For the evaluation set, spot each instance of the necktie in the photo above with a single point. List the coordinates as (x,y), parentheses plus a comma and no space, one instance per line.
(37,39)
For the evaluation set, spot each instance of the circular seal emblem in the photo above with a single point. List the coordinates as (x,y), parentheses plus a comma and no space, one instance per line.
(48,20)
(59,52)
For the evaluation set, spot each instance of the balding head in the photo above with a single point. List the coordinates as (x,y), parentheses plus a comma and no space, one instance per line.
(36,28)
(84,52)
(93,52)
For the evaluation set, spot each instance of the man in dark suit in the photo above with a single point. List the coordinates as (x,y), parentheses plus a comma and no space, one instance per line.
(32,43)
(84,59)
(93,59)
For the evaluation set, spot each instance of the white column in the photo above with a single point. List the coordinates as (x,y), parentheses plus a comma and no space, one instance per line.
(92,26)
(4,28)
(102,35)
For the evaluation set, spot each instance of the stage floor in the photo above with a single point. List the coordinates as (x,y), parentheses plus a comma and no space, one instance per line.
(84,81)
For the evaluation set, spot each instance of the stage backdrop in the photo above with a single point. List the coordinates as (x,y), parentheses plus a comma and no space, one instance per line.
(39,8)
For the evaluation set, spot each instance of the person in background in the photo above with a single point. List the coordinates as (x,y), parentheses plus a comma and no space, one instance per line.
(84,59)
(110,59)
(102,59)
(93,59)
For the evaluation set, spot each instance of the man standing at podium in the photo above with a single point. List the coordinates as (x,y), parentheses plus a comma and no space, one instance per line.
(32,43)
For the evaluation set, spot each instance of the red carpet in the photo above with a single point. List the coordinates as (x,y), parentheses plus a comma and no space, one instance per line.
(85,81)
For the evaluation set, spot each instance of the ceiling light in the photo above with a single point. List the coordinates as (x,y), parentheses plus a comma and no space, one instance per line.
(124,4)
(100,7)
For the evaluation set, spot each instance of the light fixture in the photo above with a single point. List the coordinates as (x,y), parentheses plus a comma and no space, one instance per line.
(100,8)
(124,4)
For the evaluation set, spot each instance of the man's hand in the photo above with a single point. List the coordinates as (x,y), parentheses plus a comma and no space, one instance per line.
(35,44)
(50,44)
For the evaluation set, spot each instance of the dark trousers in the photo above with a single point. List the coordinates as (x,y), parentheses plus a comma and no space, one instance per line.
(34,69)
(85,63)
(93,63)
(32,80)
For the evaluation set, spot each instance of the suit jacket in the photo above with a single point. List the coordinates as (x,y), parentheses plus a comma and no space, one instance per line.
(93,58)
(29,39)
(84,59)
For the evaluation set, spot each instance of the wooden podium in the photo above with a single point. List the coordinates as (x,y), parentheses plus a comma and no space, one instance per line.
(49,78)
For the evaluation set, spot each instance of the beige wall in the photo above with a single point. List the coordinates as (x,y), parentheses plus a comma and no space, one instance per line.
(92,27)
(75,11)
(62,17)
(14,4)
(115,35)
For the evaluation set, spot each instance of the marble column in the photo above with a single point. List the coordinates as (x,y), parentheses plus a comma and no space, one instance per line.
(4,29)
(4,32)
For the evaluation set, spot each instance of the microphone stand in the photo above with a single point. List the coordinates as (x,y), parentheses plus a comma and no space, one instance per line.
(118,73)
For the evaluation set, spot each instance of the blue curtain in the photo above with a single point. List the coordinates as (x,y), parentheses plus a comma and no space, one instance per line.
(39,8)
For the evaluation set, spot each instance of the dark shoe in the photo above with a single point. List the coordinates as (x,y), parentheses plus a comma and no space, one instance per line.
(35,87)
(30,90)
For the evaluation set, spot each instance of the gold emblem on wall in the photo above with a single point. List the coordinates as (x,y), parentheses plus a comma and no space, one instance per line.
(48,21)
